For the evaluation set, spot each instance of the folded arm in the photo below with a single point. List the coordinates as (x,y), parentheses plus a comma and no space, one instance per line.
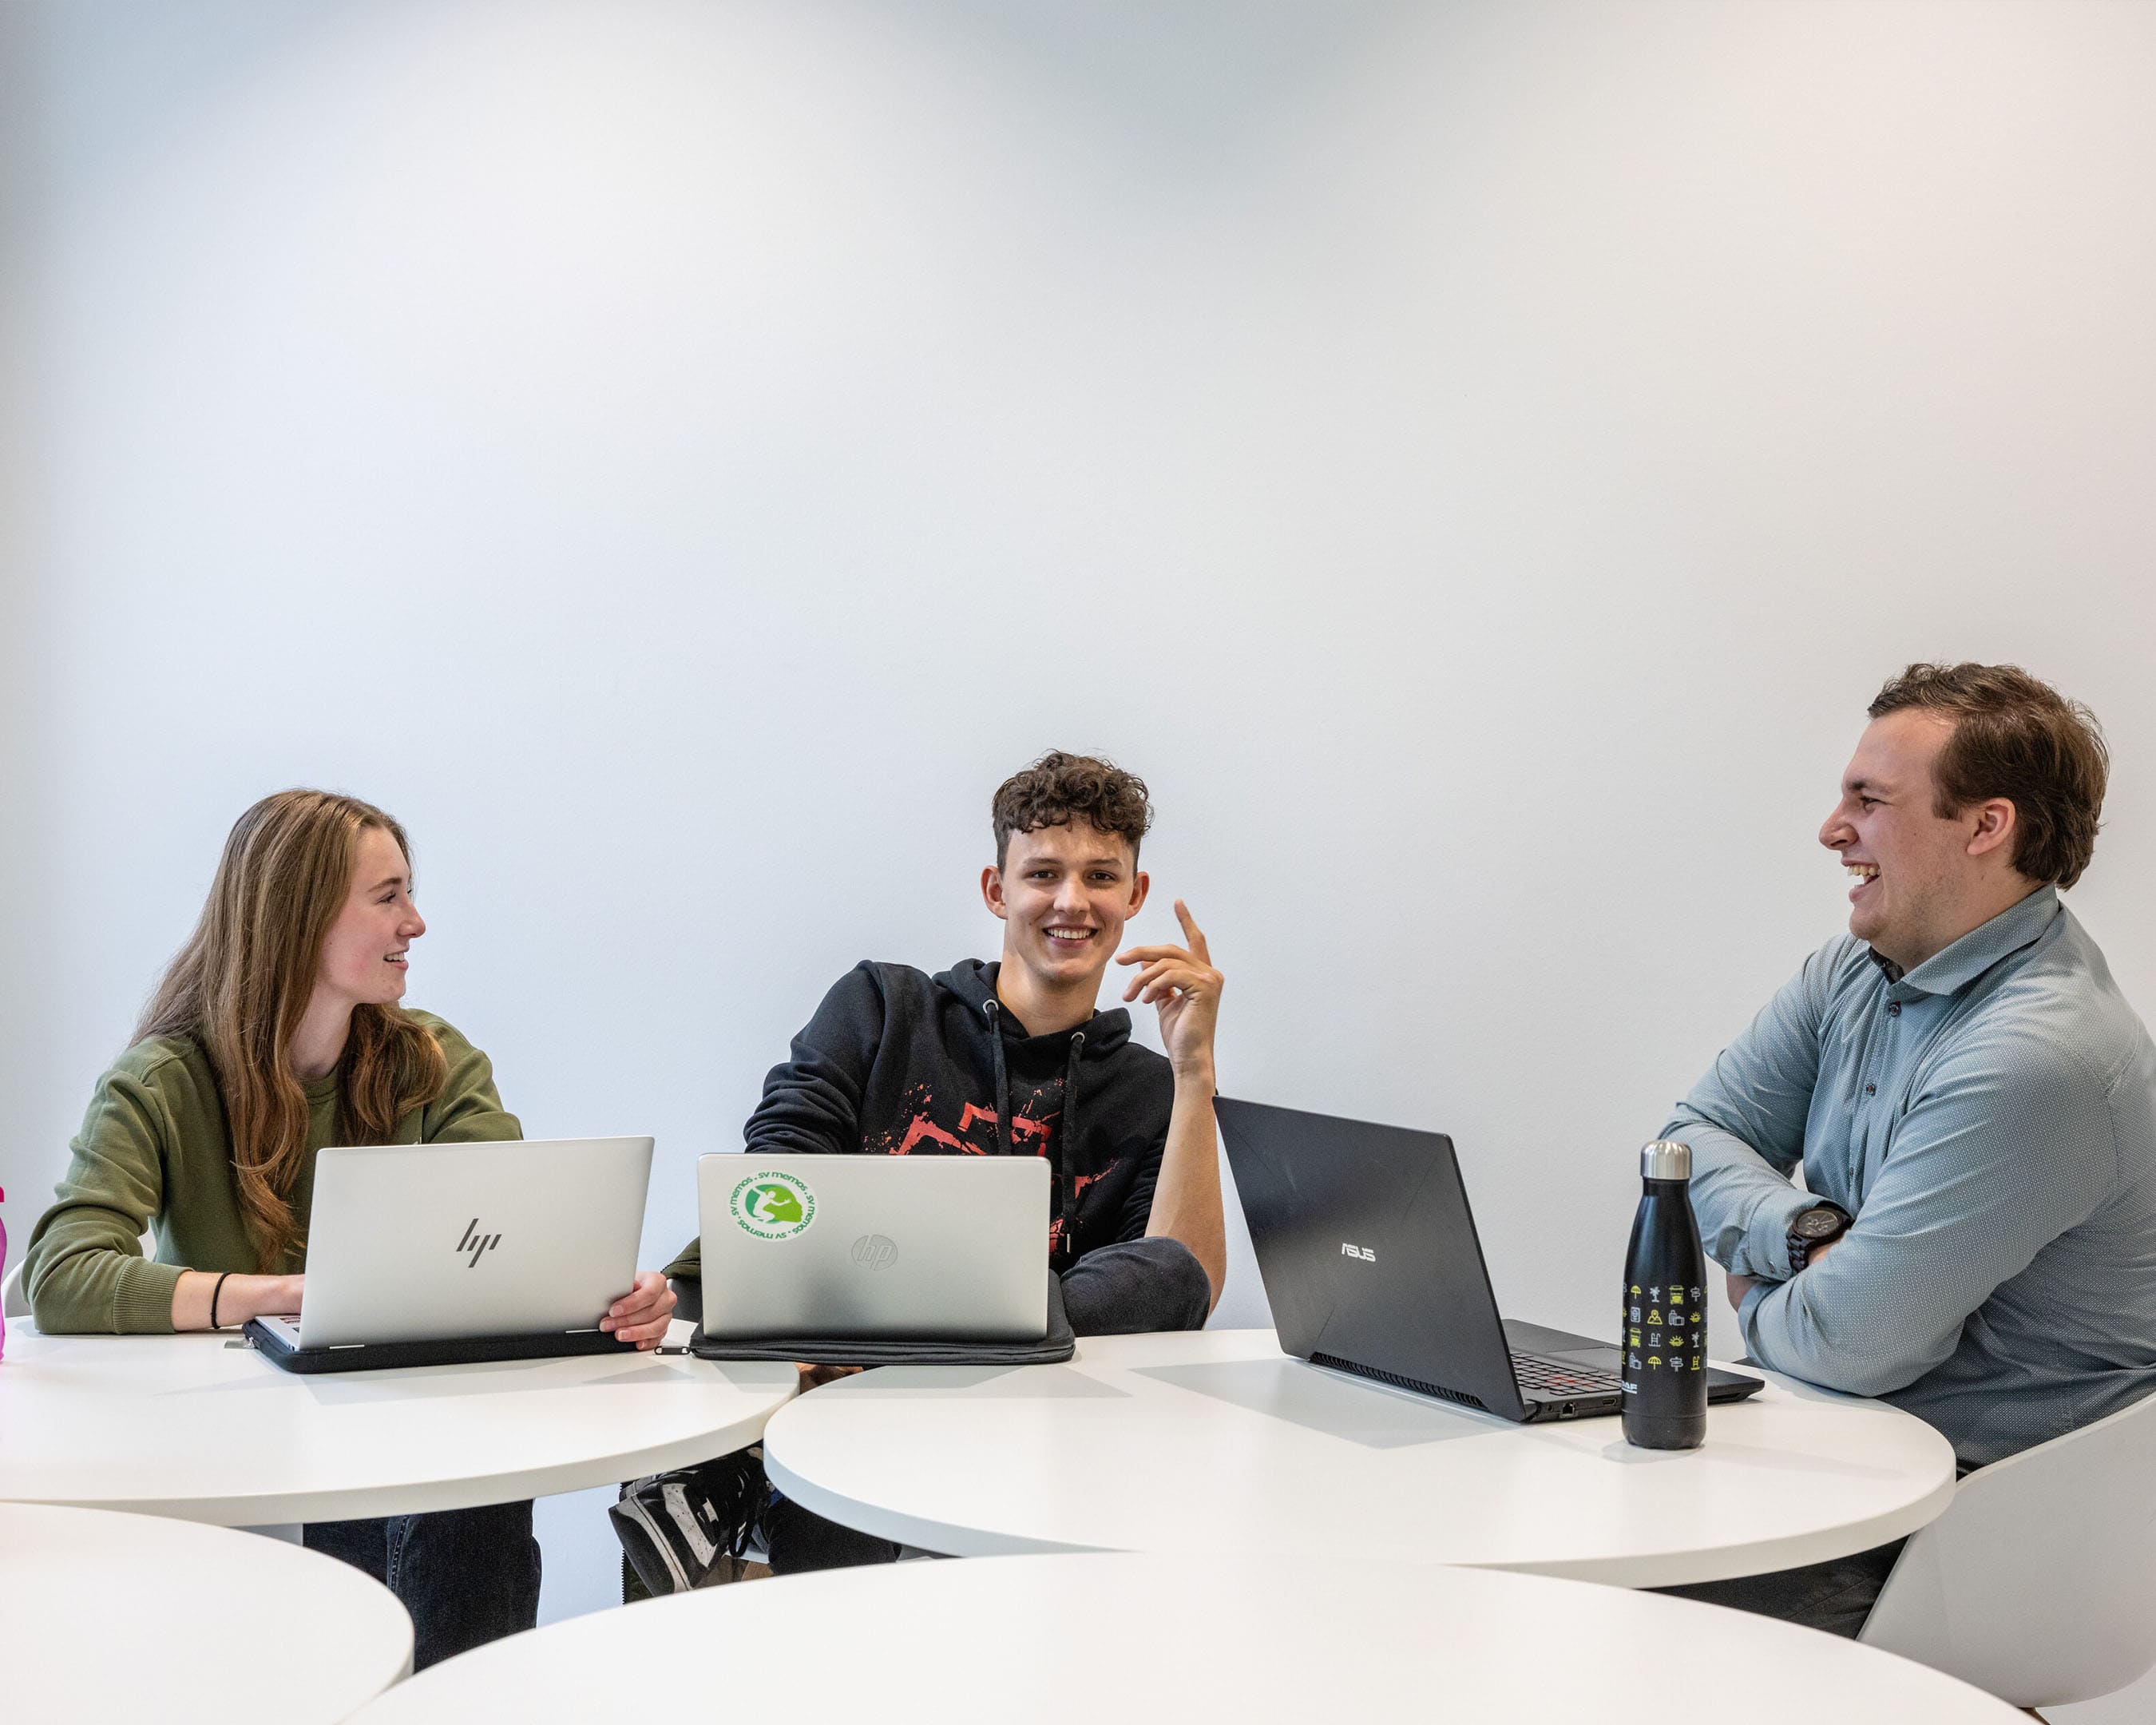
(2005,1150)
(1745,1122)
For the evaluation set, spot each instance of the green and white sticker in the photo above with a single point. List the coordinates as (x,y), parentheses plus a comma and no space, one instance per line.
(772,1205)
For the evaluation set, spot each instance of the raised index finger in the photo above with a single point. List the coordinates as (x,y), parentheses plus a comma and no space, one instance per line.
(1191,933)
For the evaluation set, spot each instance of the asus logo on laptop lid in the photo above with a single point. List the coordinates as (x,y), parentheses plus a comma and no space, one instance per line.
(1368,1254)
(477,1243)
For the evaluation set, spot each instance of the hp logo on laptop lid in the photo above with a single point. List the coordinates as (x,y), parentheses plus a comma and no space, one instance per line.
(873,1251)
(476,1243)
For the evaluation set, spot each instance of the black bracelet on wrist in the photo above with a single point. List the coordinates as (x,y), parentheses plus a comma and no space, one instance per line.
(214,1293)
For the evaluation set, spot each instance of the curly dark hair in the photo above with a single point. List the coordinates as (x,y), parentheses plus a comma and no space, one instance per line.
(2020,739)
(1059,788)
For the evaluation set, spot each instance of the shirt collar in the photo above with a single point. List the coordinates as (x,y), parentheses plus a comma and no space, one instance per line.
(1956,966)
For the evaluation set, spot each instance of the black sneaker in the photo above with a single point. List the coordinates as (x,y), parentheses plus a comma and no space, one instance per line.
(677,1528)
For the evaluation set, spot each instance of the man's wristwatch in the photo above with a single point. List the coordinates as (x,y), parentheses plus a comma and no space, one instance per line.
(1813,1229)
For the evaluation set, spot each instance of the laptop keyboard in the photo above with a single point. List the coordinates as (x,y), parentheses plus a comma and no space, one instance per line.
(1557,1377)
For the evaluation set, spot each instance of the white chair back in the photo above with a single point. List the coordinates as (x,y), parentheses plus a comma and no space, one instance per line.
(2039,1583)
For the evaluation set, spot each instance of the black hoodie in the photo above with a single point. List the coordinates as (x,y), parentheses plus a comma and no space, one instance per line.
(896,1063)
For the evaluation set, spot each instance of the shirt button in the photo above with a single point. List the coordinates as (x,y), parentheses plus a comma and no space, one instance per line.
(1894,1009)
(1871,1089)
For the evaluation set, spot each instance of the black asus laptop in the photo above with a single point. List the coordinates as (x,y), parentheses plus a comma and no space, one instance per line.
(1371,1261)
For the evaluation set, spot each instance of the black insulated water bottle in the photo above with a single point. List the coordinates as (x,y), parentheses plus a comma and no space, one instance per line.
(1665,1333)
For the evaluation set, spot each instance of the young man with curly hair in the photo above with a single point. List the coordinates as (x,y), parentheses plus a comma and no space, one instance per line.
(1012,1058)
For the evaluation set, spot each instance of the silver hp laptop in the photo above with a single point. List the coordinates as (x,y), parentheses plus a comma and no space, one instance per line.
(884,1248)
(445,1254)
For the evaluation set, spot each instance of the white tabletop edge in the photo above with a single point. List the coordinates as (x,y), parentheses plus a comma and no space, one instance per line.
(345,1639)
(1683,1568)
(1411,1629)
(1704,1562)
(424,1497)
(469,1481)
(871,1518)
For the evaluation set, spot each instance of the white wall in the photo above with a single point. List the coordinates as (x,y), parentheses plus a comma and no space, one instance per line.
(1475,461)
(27,1045)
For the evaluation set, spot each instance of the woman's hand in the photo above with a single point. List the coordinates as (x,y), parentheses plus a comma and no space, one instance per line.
(642,1314)
(240,1298)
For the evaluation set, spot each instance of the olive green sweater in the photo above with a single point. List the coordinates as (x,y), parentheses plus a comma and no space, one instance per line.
(154,1148)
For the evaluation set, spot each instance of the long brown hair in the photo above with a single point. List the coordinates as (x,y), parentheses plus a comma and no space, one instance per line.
(240,987)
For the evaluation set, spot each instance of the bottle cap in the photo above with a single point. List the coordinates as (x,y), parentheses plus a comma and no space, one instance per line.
(1666,1159)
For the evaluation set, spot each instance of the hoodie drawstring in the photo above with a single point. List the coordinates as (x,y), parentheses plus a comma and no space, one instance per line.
(993,1011)
(1071,1140)
(1002,1078)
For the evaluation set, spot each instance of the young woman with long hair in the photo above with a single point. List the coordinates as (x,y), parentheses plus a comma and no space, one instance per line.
(278,1030)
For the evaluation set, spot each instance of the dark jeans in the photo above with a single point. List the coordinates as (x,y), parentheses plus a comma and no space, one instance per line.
(1128,1289)
(1836,1596)
(467,1576)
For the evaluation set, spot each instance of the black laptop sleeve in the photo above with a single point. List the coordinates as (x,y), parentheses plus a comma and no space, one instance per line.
(380,1356)
(1060,1343)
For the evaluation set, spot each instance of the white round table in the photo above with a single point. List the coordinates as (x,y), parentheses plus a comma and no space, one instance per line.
(188,1426)
(1215,1442)
(128,1618)
(1173,1639)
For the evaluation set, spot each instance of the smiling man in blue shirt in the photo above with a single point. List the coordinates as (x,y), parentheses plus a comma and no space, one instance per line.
(1970,1099)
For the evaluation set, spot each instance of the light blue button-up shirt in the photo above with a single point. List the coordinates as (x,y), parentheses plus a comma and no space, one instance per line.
(1990,1119)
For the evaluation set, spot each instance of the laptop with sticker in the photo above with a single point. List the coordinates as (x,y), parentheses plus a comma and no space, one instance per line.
(884,1248)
